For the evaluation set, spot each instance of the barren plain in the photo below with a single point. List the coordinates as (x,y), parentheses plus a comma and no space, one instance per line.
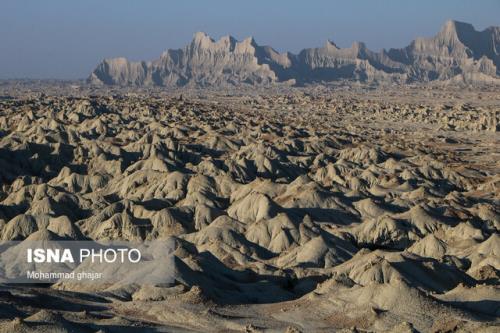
(350,209)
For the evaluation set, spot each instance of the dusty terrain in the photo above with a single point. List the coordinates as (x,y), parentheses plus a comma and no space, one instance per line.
(311,210)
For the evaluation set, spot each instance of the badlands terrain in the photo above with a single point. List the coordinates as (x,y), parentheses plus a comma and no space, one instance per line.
(290,210)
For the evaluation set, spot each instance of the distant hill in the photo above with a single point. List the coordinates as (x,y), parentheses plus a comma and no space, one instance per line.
(458,53)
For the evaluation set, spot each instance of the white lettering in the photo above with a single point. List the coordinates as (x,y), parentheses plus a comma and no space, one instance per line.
(49,255)
(138,255)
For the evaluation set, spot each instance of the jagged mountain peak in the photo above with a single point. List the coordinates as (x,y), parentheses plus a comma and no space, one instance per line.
(249,41)
(202,40)
(459,53)
(455,30)
(456,26)
(201,36)
(331,44)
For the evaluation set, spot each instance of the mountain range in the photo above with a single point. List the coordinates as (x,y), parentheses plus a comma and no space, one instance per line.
(458,53)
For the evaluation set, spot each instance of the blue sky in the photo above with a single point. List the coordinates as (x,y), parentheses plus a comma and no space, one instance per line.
(66,38)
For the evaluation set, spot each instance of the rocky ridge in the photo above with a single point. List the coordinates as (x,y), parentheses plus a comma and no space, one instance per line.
(457,54)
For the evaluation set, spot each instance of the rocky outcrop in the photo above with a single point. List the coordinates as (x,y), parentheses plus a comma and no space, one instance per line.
(458,53)
(203,62)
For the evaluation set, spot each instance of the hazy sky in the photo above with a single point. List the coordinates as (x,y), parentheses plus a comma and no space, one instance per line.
(67,38)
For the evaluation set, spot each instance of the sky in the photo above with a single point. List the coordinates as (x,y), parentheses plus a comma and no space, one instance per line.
(65,39)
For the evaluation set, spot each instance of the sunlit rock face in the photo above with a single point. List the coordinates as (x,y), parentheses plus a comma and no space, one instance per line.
(457,54)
